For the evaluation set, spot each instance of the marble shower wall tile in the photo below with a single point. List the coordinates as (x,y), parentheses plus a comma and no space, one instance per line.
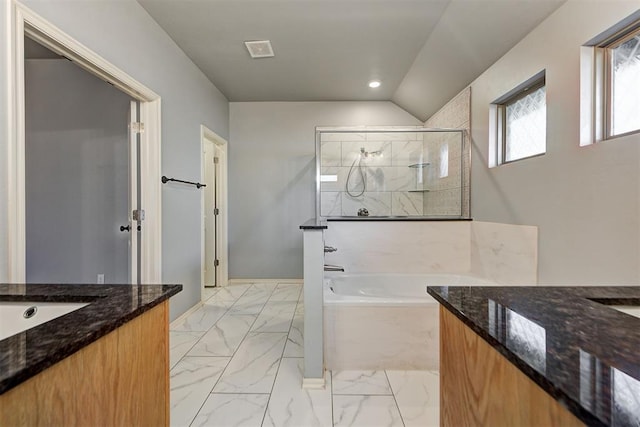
(330,203)
(505,253)
(366,411)
(405,153)
(232,410)
(391,179)
(418,396)
(351,151)
(292,405)
(254,366)
(343,136)
(331,153)
(406,203)
(191,382)
(378,204)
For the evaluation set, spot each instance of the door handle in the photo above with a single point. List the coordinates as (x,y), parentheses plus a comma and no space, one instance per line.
(123,228)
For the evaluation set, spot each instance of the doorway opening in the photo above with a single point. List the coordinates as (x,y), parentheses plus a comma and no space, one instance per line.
(145,190)
(81,174)
(214,211)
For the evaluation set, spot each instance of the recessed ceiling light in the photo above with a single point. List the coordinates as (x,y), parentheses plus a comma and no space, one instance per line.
(374,84)
(260,49)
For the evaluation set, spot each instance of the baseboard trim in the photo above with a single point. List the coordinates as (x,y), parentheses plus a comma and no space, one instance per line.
(313,383)
(236,281)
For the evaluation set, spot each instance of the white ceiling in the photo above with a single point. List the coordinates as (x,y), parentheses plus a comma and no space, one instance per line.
(423,51)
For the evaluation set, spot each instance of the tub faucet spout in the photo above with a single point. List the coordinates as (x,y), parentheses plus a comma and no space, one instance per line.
(329,267)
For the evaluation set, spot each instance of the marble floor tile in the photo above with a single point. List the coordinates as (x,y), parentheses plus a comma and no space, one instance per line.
(204,317)
(224,337)
(230,292)
(360,382)
(180,343)
(251,302)
(191,382)
(365,411)
(295,339)
(232,410)
(276,316)
(209,292)
(291,405)
(260,286)
(286,292)
(254,365)
(418,396)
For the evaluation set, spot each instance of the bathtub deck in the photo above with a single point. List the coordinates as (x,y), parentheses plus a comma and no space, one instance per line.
(238,361)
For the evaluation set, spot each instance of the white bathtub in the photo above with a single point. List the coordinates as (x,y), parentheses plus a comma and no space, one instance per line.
(384,321)
(390,288)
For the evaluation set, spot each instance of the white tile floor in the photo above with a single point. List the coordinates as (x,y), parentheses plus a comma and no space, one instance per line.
(237,361)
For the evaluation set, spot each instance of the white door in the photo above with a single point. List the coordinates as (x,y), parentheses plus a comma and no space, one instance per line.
(135,223)
(211,214)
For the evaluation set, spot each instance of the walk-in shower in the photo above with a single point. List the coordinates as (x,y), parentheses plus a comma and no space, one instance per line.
(392,172)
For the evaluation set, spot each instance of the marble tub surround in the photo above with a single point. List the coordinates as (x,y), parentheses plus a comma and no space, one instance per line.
(502,253)
(28,353)
(567,340)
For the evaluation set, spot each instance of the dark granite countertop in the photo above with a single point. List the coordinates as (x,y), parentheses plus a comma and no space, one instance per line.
(583,353)
(24,355)
(314,224)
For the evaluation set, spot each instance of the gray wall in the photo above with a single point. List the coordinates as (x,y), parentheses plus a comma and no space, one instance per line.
(124,34)
(272,177)
(583,199)
(77,171)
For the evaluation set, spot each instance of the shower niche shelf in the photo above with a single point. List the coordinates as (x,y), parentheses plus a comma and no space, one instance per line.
(419,165)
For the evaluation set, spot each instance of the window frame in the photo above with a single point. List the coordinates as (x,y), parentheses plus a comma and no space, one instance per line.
(500,105)
(605,49)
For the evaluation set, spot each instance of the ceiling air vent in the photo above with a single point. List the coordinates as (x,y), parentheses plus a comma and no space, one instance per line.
(260,49)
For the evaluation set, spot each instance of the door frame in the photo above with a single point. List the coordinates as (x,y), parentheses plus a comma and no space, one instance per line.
(25,22)
(207,135)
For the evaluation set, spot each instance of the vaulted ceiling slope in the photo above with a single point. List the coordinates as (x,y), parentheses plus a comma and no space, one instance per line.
(423,51)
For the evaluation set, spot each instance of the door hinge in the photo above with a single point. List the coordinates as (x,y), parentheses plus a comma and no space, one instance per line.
(138,215)
(137,127)
(216,211)
(216,160)
(216,262)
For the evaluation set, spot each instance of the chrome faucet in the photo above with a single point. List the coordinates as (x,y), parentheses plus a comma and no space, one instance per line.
(329,249)
(329,267)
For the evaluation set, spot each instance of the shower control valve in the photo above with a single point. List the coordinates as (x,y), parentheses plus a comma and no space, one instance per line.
(329,249)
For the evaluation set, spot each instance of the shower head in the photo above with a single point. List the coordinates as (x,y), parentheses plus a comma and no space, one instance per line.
(365,154)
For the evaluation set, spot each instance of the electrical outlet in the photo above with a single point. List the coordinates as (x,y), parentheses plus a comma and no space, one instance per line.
(100,279)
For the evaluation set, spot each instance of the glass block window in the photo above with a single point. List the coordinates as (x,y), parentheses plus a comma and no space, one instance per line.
(525,125)
(624,63)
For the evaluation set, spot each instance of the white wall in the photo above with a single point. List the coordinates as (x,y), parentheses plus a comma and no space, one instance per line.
(4,126)
(125,35)
(272,177)
(584,200)
(77,172)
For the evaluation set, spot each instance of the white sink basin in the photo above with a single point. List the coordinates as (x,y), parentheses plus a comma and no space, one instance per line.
(16,317)
(633,310)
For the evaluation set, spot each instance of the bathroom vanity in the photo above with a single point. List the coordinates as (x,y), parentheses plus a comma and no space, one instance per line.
(106,363)
(564,356)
